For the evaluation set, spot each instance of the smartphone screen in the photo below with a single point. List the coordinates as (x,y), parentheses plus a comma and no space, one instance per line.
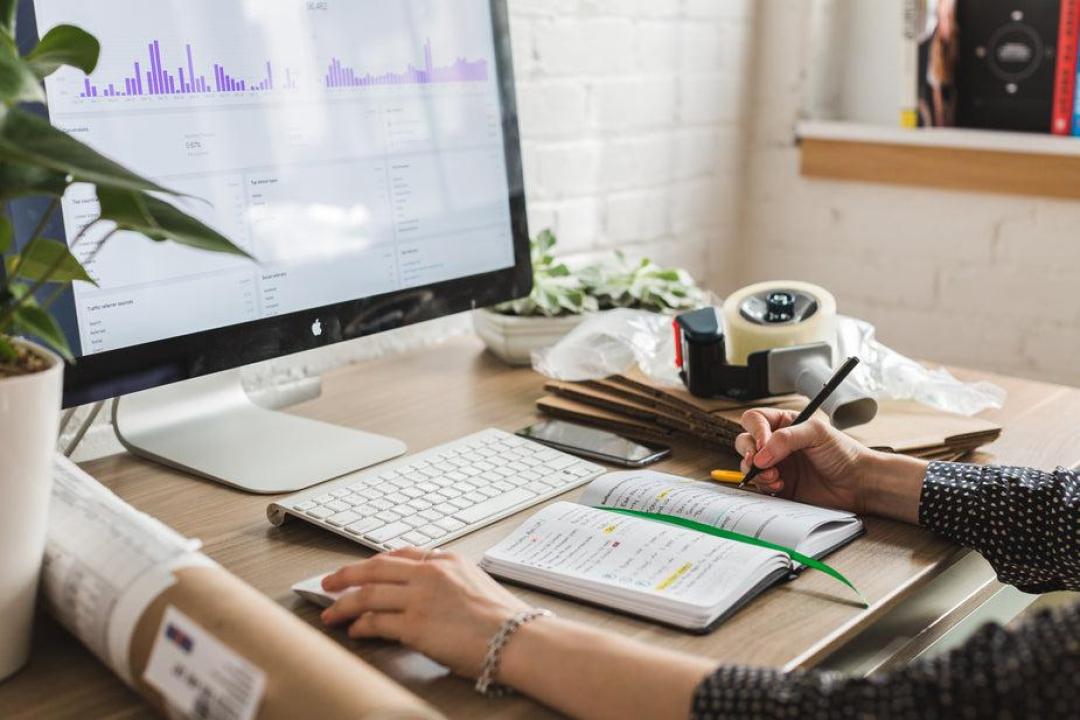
(593,443)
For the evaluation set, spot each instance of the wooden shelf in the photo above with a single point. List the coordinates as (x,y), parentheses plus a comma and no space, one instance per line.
(955,159)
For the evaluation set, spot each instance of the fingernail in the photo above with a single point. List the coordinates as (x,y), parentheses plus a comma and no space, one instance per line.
(764,458)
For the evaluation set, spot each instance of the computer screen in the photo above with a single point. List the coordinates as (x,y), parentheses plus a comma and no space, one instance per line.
(355,148)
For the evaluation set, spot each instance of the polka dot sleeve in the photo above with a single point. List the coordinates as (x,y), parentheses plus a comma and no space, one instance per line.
(1027,525)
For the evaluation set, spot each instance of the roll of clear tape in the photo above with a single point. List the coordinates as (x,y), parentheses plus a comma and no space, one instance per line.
(744,337)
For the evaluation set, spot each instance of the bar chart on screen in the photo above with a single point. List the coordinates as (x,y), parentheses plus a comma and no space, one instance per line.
(301,50)
(154,76)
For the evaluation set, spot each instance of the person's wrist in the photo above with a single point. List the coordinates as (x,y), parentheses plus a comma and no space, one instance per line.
(892,485)
(489,621)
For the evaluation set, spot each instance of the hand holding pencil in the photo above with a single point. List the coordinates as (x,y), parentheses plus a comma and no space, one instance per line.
(802,457)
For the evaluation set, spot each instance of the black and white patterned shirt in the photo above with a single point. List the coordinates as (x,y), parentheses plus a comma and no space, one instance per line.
(1026,523)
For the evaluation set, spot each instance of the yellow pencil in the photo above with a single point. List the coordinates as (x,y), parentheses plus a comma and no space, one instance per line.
(729,477)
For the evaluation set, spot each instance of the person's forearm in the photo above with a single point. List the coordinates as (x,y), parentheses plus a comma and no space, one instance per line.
(894,486)
(587,673)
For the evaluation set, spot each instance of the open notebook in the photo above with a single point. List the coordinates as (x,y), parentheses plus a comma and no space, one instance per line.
(660,571)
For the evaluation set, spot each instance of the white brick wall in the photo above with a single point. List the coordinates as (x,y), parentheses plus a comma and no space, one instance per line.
(980,280)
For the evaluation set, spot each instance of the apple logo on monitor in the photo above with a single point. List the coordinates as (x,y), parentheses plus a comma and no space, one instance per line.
(316,328)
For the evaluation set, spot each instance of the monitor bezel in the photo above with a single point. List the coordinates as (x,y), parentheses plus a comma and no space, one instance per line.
(118,372)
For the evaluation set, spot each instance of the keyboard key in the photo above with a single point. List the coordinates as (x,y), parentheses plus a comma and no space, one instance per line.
(319,513)
(431,515)
(395,544)
(488,491)
(462,503)
(381,504)
(343,518)
(503,486)
(412,492)
(389,475)
(323,499)
(397,498)
(419,504)
(494,506)
(450,524)
(446,509)
(476,497)
(336,506)
(365,525)
(414,521)
(450,493)
(387,532)
(416,538)
(432,531)
(340,492)
(304,506)
(562,462)
(388,516)
(427,487)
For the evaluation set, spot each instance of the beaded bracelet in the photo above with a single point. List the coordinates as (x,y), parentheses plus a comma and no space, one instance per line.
(485,684)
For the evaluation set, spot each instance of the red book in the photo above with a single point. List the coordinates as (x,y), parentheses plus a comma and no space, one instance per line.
(1065,71)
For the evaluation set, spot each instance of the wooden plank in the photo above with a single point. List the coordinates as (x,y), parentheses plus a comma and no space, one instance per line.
(950,168)
(436,395)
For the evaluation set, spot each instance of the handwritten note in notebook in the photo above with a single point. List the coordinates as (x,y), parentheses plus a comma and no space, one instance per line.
(659,571)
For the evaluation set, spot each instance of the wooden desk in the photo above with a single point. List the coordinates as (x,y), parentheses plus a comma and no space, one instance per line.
(436,395)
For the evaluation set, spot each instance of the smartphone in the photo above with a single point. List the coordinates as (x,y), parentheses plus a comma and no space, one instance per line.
(594,444)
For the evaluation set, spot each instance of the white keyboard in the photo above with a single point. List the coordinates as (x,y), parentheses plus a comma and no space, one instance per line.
(437,495)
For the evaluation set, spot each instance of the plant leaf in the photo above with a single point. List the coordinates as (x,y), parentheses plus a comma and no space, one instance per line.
(7,350)
(45,256)
(33,321)
(19,180)
(64,45)
(158,220)
(8,11)
(28,139)
(18,83)
(6,234)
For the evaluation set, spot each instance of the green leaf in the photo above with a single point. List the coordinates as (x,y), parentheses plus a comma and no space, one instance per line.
(48,257)
(6,234)
(8,10)
(19,180)
(32,320)
(64,45)
(18,83)
(7,350)
(158,220)
(28,139)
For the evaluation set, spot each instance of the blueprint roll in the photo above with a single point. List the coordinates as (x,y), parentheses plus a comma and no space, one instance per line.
(777,314)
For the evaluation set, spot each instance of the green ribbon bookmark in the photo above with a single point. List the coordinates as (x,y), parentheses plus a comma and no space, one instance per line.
(739,537)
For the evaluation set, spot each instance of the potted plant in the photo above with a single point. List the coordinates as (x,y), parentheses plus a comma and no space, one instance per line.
(561,298)
(38,160)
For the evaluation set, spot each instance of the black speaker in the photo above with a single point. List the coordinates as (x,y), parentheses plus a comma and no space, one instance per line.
(1005,67)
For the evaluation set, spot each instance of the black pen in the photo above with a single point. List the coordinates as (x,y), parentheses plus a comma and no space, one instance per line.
(809,410)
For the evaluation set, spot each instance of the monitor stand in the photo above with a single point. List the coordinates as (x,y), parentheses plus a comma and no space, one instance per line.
(209,426)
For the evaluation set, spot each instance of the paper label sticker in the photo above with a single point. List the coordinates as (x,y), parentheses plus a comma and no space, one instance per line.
(200,677)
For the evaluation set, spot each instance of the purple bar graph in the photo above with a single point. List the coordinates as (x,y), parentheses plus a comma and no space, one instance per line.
(159,81)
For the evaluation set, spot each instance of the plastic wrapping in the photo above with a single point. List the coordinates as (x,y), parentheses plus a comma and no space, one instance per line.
(612,342)
(886,373)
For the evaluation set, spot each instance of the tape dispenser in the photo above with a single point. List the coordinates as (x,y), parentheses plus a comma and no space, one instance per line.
(773,338)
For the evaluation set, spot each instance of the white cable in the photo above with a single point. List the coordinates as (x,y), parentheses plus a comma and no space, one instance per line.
(84,427)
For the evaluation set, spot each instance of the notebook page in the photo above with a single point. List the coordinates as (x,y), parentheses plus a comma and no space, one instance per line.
(776,520)
(602,549)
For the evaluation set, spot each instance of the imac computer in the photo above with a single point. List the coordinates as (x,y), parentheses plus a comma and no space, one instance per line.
(364,152)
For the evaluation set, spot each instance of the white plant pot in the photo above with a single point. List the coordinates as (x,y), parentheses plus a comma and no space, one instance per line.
(29,420)
(513,339)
